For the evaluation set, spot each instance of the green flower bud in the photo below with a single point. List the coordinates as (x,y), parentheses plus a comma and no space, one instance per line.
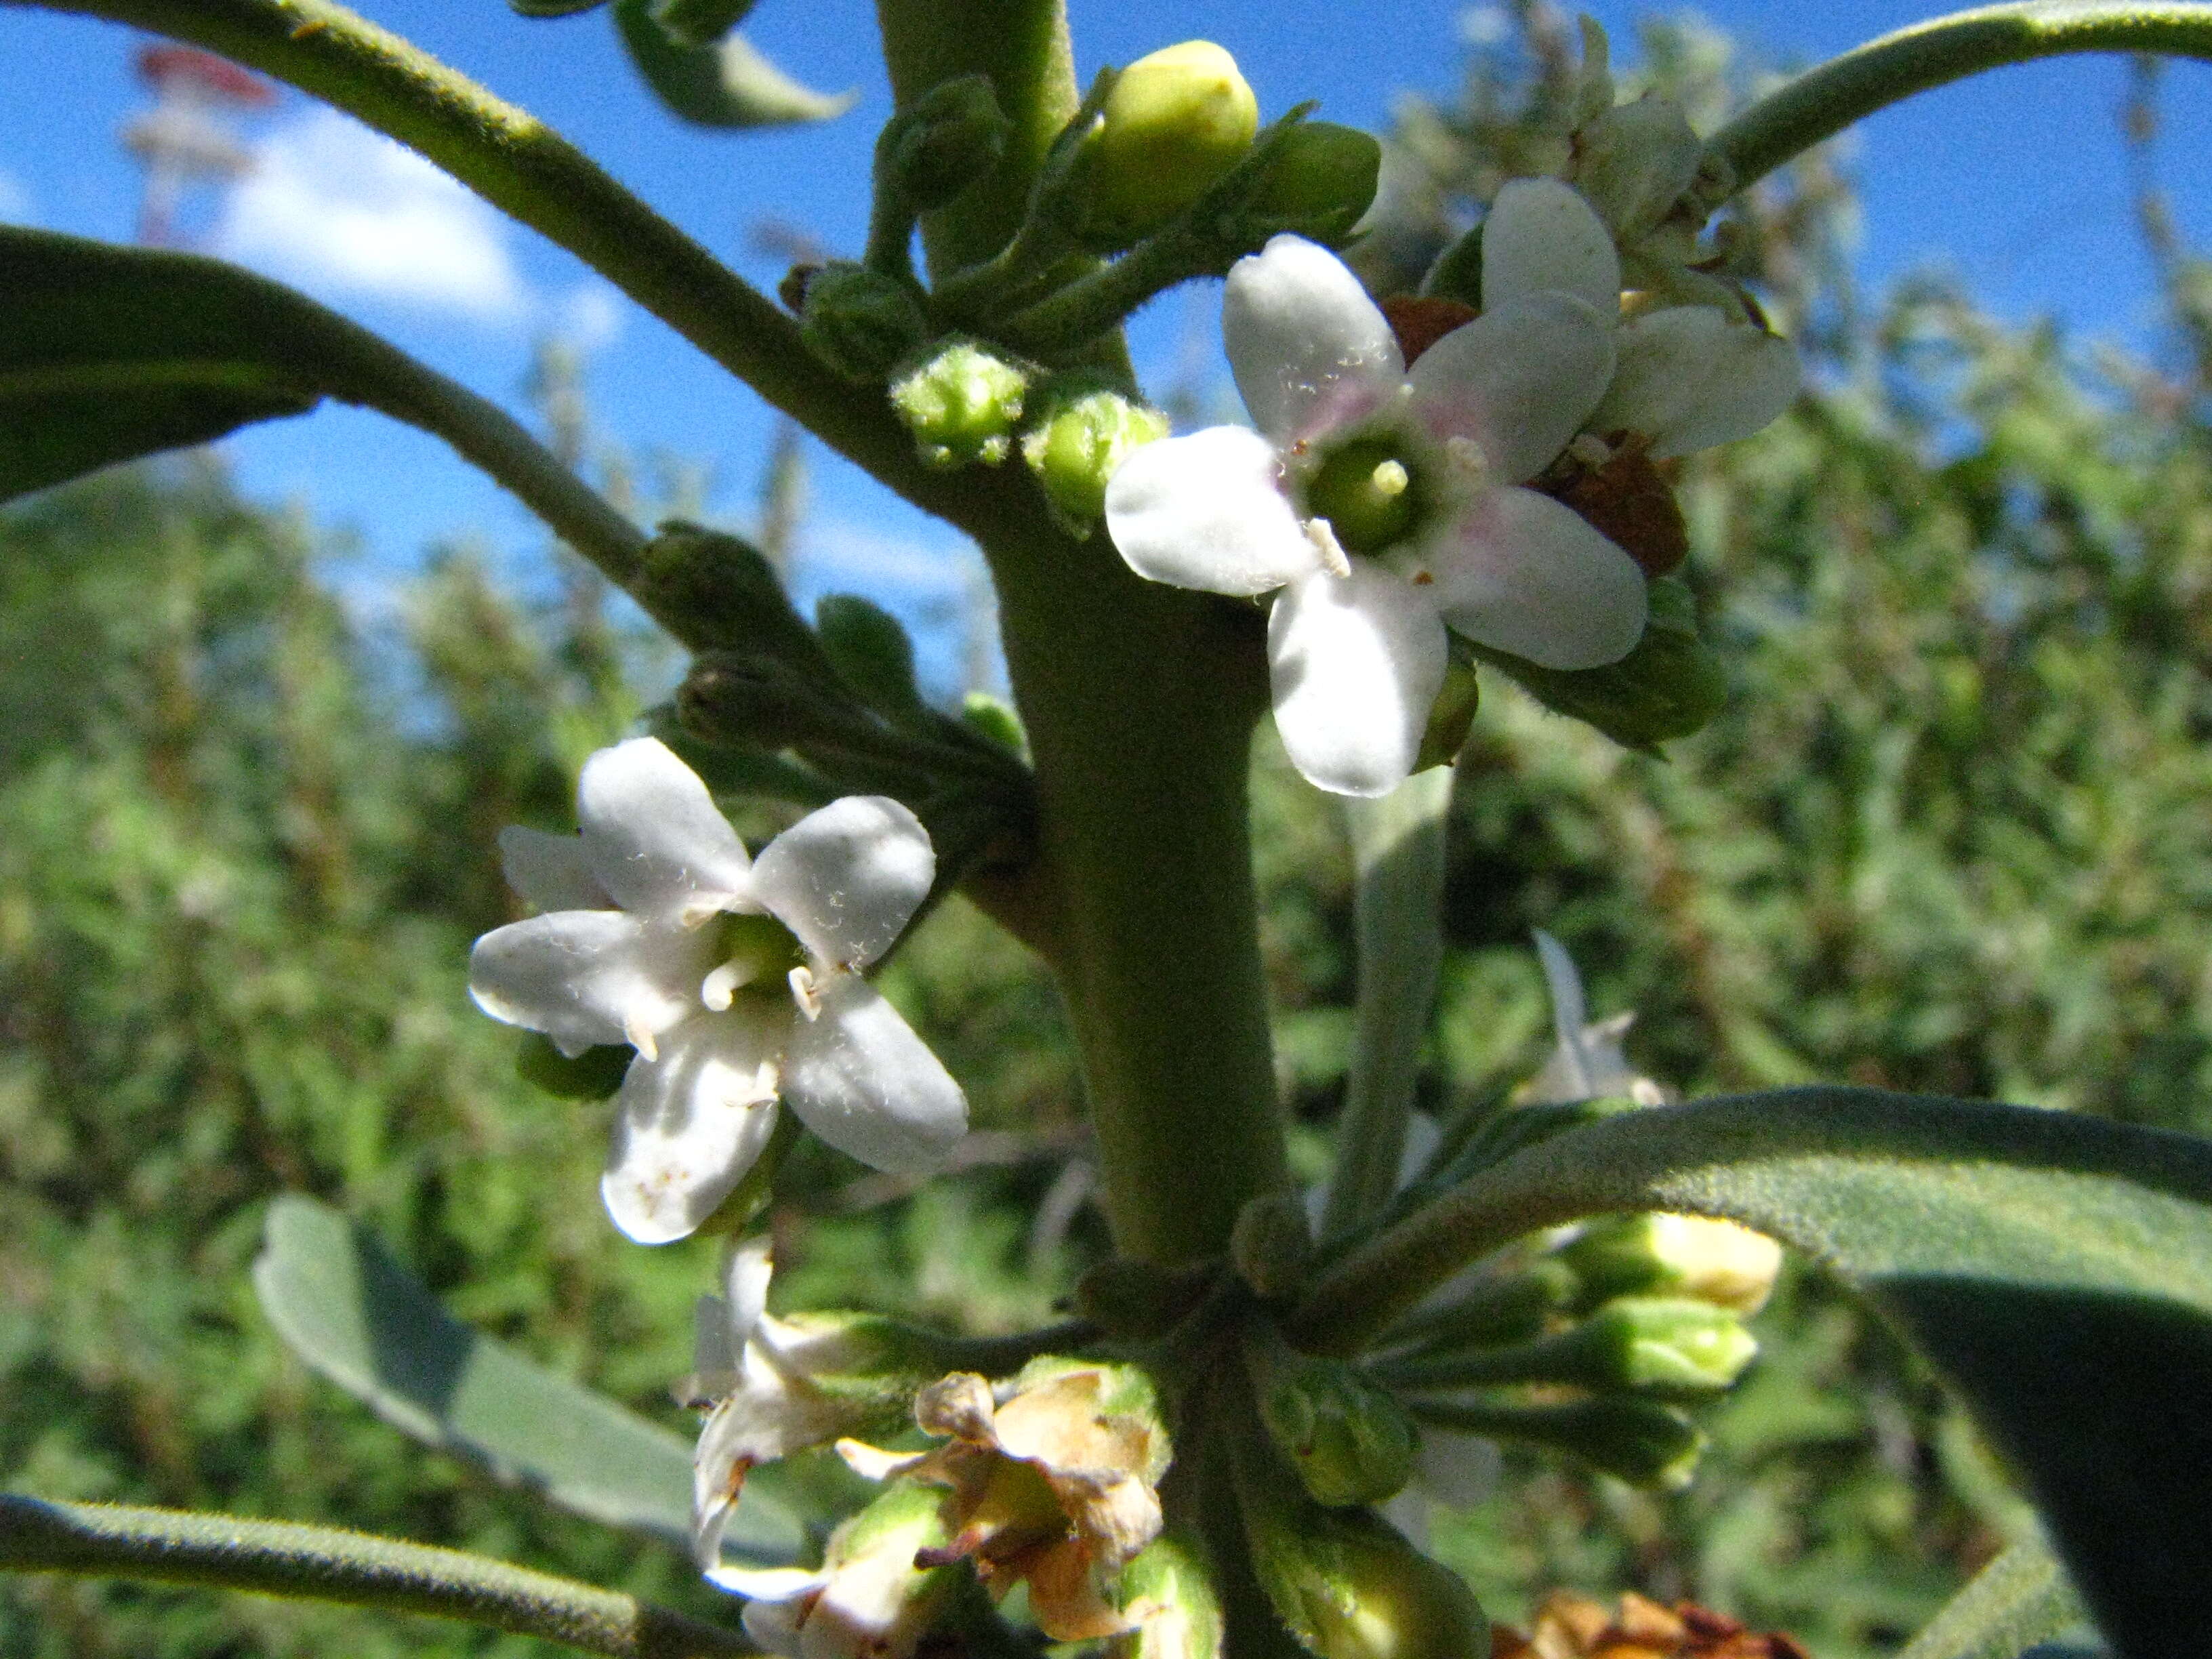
(1272,1244)
(1636,1440)
(1081,432)
(860,322)
(1350,1442)
(762,703)
(961,404)
(718,591)
(1672,1344)
(593,1075)
(1351,1588)
(869,648)
(1669,686)
(1320,179)
(984,713)
(1676,1255)
(1509,1308)
(1173,122)
(1167,1592)
(1450,718)
(946,140)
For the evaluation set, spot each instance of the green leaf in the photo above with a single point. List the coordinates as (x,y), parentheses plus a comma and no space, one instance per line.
(728,84)
(555,8)
(2018,1600)
(701,22)
(2058,1268)
(113,353)
(356,1316)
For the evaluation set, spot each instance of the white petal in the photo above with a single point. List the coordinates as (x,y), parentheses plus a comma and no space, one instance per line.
(653,836)
(1207,512)
(751,1265)
(1519,380)
(1528,577)
(689,1125)
(589,976)
(768,1584)
(1356,663)
(847,878)
(777,1625)
(1570,1013)
(1689,378)
(860,1079)
(1309,349)
(1541,236)
(551,871)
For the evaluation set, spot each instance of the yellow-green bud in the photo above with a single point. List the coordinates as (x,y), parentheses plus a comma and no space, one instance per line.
(947,139)
(1082,433)
(870,650)
(1350,1442)
(1676,1255)
(1671,1345)
(1173,122)
(1450,718)
(961,404)
(1351,1588)
(997,720)
(1640,1441)
(1167,1592)
(1320,179)
(1669,686)
(860,322)
(1272,1244)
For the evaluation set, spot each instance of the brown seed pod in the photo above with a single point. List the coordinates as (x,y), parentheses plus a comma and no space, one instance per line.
(1626,497)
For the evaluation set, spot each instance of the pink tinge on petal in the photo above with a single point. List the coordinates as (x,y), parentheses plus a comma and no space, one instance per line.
(1355,662)
(1523,575)
(1519,380)
(1298,329)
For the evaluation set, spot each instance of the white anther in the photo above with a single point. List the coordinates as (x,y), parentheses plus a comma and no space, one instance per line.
(1333,559)
(804,993)
(719,986)
(641,1038)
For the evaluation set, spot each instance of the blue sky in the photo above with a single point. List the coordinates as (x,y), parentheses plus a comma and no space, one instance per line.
(2016,182)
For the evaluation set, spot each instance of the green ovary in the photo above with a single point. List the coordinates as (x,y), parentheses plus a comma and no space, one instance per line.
(1369,492)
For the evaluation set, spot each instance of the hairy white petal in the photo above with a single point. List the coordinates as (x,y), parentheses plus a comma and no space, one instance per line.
(1356,664)
(1542,235)
(551,871)
(860,1079)
(1307,347)
(589,976)
(1519,380)
(690,1124)
(654,836)
(847,878)
(1523,575)
(1207,512)
(1689,378)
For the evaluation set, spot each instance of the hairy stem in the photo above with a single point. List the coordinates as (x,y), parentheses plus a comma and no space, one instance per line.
(1823,102)
(276,1558)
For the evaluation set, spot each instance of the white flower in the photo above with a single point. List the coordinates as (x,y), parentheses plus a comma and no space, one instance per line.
(868,1601)
(1588,1063)
(736,980)
(1384,503)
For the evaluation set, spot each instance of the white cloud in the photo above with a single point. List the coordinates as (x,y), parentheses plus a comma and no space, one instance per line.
(347,213)
(16,204)
(590,316)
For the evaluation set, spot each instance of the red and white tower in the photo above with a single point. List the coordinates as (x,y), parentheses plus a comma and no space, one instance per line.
(186,139)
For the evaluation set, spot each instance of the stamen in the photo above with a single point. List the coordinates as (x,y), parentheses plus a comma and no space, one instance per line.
(1390,479)
(1333,559)
(1590,450)
(1467,459)
(804,994)
(719,986)
(641,1038)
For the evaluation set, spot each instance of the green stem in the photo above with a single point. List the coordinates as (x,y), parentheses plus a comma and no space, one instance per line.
(520,166)
(1398,865)
(1822,102)
(276,1558)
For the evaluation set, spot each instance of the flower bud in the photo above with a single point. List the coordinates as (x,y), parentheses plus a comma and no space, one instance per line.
(1173,122)
(1351,1588)
(1634,163)
(946,140)
(1450,718)
(860,322)
(869,648)
(1319,181)
(1669,686)
(1167,1592)
(1083,430)
(997,721)
(1272,1243)
(1676,1255)
(961,404)
(1350,1442)
(1672,1344)
(1639,1441)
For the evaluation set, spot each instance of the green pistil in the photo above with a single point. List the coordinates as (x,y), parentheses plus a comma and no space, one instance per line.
(1369,493)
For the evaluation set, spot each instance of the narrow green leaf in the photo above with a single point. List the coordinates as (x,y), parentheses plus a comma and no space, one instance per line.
(2019,1598)
(554,8)
(346,1307)
(728,84)
(2058,1268)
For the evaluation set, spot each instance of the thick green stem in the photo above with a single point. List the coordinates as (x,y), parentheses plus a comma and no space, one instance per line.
(1822,102)
(522,167)
(276,1558)
(1398,865)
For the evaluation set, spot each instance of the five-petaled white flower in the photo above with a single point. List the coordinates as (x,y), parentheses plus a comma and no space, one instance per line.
(736,979)
(1384,503)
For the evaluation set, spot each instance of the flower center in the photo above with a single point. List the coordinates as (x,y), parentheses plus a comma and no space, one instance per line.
(1369,492)
(755,950)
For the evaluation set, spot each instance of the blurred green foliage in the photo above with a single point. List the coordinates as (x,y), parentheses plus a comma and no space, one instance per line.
(1953,832)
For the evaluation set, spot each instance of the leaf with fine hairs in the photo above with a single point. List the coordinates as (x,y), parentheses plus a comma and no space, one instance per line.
(2019,1598)
(2058,1269)
(725,84)
(345,1306)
